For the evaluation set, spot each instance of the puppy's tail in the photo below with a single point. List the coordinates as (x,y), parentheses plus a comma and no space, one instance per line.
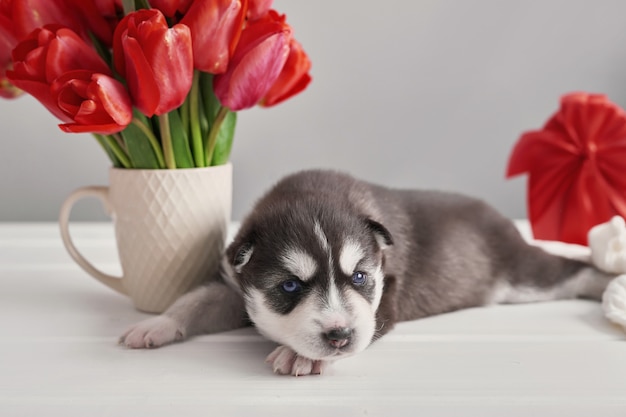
(543,276)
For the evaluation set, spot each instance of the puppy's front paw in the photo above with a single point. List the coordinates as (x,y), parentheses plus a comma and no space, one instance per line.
(285,361)
(152,333)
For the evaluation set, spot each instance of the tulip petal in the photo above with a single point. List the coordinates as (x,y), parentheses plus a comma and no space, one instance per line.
(68,50)
(293,78)
(170,7)
(113,97)
(103,129)
(258,8)
(93,102)
(156,61)
(255,67)
(294,89)
(46,54)
(171,59)
(215,30)
(140,78)
(41,92)
(32,14)
(8,41)
(99,16)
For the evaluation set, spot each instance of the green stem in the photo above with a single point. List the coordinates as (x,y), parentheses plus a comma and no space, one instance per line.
(183,111)
(154,142)
(120,141)
(215,129)
(129,6)
(166,140)
(117,150)
(116,162)
(209,104)
(194,119)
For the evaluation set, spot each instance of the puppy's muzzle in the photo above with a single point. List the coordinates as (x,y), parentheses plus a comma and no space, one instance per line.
(338,337)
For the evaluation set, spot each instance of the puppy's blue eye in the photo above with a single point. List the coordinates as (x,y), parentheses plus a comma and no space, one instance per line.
(359,278)
(291,286)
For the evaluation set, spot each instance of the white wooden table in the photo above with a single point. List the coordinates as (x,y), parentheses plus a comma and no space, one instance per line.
(59,356)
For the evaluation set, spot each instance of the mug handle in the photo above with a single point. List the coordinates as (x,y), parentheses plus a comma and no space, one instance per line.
(101,193)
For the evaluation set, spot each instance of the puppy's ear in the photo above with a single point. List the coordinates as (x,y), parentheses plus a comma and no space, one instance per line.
(235,257)
(242,256)
(382,235)
(240,251)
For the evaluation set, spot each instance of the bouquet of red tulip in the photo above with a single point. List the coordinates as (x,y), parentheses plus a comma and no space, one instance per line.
(158,82)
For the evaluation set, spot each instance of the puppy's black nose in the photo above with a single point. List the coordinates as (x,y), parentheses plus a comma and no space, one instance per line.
(339,336)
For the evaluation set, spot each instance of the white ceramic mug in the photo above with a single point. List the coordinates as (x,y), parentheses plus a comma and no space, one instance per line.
(170,229)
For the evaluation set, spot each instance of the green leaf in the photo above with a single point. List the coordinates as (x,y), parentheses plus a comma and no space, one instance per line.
(180,142)
(203,120)
(143,4)
(114,160)
(183,111)
(192,108)
(210,101)
(224,142)
(140,150)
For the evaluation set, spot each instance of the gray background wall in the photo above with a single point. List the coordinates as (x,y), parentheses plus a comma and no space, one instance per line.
(421,93)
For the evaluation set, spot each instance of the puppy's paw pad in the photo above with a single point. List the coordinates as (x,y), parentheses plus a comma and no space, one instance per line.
(281,360)
(303,366)
(285,361)
(152,333)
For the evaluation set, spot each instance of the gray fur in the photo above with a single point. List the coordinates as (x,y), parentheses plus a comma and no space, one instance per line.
(446,252)
(210,308)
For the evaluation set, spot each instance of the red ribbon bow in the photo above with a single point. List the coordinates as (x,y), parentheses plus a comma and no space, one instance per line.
(577,168)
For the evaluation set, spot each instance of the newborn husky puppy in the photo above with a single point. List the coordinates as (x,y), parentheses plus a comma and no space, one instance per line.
(325,264)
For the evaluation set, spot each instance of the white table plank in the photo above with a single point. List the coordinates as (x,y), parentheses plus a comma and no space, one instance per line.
(58,355)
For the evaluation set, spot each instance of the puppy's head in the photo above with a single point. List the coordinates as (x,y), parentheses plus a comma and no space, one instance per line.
(312,277)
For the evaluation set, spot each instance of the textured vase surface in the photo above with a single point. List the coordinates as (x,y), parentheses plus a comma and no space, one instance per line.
(170,228)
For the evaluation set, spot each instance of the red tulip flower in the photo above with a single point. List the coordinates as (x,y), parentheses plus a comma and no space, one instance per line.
(46,54)
(100,16)
(94,69)
(256,64)
(171,7)
(215,29)
(155,60)
(293,78)
(18,18)
(7,43)
(258,8)
(28,15)
(93,102)
(109,8)
(576,165)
